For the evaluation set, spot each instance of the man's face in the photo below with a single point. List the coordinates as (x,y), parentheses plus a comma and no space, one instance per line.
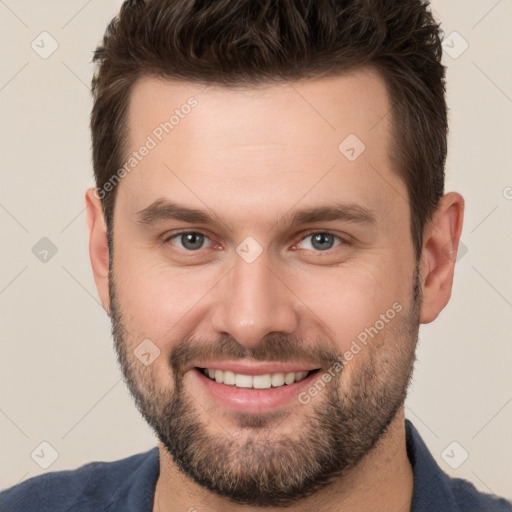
(252,288)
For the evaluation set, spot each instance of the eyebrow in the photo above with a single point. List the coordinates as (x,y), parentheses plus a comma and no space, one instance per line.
(164,210)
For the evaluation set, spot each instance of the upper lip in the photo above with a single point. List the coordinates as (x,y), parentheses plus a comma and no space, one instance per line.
(255,368)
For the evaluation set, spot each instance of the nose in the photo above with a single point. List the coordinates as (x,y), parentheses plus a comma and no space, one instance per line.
(254,302)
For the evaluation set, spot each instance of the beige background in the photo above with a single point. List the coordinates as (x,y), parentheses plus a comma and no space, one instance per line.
(59,378)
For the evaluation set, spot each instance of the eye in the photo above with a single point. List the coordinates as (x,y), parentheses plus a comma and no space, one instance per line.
(189,240)
(320,241)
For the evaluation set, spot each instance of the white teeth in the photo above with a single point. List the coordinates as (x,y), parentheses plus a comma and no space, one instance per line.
(277,379)
(265,381)
(289,378)
(262,381)
(229,378)
(243,381)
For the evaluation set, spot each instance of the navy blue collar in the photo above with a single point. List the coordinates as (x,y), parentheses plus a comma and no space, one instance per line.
(432,488)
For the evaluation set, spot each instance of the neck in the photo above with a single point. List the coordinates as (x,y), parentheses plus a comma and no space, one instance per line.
(383,480)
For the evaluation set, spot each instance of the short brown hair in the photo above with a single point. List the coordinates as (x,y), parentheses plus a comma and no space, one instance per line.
(243,42)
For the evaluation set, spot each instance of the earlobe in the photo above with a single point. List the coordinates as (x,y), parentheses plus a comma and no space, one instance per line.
(98,246)
(440,243)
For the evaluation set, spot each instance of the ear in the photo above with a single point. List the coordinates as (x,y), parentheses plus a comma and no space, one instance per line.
(98,245)
(440,244)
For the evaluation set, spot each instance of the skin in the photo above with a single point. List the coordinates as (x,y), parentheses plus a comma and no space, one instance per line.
(252,156)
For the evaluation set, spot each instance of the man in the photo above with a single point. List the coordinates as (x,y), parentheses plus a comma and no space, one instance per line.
(268,231)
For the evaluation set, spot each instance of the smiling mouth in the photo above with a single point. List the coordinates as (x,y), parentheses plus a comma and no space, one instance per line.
(264,381)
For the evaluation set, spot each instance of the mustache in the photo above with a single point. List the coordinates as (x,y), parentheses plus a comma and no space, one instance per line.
(273,348)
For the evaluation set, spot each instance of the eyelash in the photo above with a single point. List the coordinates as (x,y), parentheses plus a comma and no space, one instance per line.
(343,241)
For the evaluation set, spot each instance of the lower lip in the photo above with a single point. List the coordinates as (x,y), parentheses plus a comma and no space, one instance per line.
(254,400)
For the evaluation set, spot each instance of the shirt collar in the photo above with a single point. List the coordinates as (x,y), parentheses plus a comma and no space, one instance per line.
(431,484)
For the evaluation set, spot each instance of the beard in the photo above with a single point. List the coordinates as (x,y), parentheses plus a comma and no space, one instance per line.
(262,468)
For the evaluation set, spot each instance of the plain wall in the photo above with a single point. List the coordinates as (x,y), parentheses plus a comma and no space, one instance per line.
(60,382)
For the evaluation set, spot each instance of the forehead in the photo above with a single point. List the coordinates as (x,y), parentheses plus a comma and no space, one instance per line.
(311,141)
(352,101)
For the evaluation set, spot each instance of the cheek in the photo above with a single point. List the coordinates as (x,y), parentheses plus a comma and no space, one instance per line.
(151,298)
(158,301)
(351,300)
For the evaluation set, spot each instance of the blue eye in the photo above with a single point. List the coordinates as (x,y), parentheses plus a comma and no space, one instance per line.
(321,241)
(190,241)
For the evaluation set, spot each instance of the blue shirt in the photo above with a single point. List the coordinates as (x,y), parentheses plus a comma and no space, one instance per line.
(128,485)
